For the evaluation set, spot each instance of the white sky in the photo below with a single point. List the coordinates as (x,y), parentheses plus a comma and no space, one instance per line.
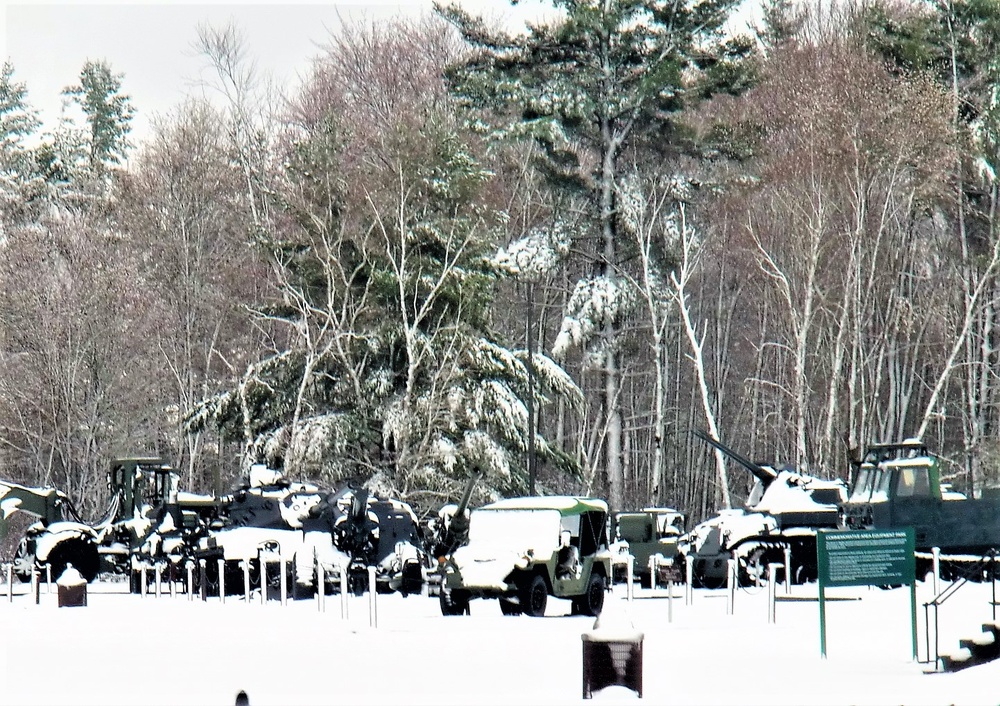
(151,43)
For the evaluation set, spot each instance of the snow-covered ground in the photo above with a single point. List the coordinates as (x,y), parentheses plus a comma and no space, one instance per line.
(125,649)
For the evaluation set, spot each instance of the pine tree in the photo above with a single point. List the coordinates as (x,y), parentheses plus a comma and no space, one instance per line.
(609,78)
(108,114)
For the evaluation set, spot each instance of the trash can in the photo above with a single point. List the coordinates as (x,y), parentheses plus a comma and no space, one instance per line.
(612,658)
(71,588)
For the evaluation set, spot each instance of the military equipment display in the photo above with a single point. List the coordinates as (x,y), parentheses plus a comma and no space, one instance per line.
(523,550)
(343,531)
(899,485)
(784,510)
(147,519)
(646,533)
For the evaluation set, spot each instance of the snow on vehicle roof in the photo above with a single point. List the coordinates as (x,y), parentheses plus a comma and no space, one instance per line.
(566,504)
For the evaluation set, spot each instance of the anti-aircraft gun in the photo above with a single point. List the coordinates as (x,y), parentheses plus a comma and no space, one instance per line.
(784,510)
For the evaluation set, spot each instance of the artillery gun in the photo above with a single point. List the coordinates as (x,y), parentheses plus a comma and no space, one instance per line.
(784,510)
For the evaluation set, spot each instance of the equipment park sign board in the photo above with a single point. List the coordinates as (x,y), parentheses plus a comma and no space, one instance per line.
(866,558)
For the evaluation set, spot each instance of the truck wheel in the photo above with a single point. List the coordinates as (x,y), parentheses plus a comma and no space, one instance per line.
(591,602)
(534,595)
(454,602)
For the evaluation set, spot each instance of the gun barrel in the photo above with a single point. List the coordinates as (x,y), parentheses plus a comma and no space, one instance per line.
(762,473)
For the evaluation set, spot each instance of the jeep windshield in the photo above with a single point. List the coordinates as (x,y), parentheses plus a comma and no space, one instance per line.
(518,530)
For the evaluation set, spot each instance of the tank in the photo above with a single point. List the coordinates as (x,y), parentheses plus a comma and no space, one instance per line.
(785,510)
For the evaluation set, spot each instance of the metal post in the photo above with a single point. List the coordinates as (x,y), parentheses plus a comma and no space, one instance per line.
(48,578)
(173,580)
(320,588)
(35,583)
(788,570)
(731,587)
(10,583)
(689,576)
(189,566)
(993,576)
(222,580)
(245,565)
(629,577)
(936,565)
(283,580)
(143,580)
(203,578)
(670,601)
(771,568)
(343,591)
(263,577)
(159,576)
(372,591)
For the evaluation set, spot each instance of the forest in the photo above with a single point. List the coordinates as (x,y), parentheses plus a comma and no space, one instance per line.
(543,256)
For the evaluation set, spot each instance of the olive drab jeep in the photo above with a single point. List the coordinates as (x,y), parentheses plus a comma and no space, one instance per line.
(523,550)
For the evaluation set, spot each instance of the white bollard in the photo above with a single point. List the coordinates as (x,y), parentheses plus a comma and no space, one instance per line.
(283,579)
(222,580)
(731,587)
(372,592)
(689,576)
(10,583)
(173,581)
(159,576)
(143,581)
(788,570)
(771,583)
(629,577)
(245,565)
(670,601)
(320,588)
(343,591)
(936,559)
(35,580)
(190,580)
(48,578)
(652,572)
(263,577)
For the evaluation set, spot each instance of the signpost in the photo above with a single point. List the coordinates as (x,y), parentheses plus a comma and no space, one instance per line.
(866,558)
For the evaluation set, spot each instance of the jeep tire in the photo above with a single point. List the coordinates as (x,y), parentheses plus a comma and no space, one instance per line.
(592,601)
(534,596)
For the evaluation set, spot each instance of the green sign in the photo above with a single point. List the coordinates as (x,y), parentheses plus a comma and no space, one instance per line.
(866,558)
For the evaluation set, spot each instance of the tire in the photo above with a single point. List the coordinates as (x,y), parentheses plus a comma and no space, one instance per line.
(454,602)
(78,552)
(591,602)
(509,607)
(534,596)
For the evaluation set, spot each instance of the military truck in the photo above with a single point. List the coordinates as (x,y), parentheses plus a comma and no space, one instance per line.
(645,533)
(520,551)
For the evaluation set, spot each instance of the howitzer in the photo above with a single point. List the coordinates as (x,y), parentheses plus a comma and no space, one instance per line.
(455,520)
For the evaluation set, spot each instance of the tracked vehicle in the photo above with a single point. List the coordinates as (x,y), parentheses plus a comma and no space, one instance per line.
(785,509)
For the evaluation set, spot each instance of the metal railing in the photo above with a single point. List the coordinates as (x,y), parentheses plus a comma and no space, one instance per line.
(979,567)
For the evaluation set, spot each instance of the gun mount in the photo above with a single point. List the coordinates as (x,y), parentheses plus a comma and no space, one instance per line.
(784,510)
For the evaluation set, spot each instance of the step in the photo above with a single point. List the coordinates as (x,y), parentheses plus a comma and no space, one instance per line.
(959,659)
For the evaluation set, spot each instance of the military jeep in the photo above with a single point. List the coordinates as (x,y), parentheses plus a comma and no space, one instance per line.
(523,550)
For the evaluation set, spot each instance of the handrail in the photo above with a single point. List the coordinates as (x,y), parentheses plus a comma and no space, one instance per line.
(987,560)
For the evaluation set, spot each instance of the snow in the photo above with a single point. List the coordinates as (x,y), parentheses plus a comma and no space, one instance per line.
(126,649)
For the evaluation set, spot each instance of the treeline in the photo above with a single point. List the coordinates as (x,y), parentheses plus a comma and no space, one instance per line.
(542,257)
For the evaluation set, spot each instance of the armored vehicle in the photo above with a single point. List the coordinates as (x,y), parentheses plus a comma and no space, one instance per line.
(785,509)
(523,550)
(899,485)
(645,533)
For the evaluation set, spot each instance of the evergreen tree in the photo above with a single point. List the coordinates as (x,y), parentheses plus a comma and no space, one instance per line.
(608,78)
(17,122)
(108,114)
